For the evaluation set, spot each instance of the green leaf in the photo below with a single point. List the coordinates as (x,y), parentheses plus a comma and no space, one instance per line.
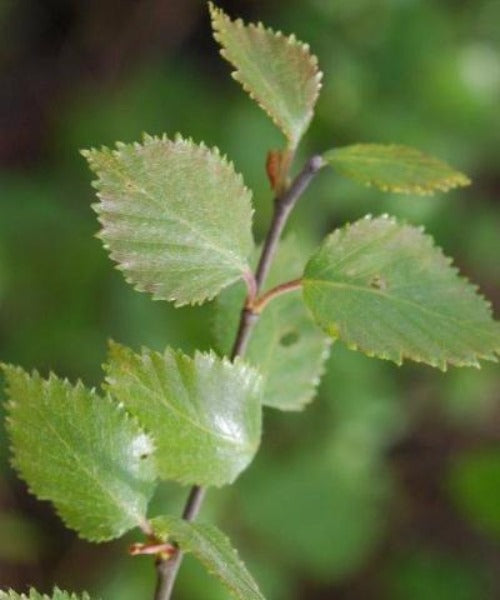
(81,452)
(278,72)
(394,168)
(386,290)
(286,346)
(213,549)
(34,595)
(204,413)
(175,216)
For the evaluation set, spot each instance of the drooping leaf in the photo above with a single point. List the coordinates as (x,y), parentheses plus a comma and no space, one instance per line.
(213,549)
(278,72)
(80,451)
(34,595)
(286,346)
(175,216)
(384,288)
(394,168)
(204,413)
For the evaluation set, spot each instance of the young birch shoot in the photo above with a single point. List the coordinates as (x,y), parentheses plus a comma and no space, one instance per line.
(176,218)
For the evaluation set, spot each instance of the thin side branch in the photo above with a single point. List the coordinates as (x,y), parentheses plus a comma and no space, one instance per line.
(258,305)
(283,205)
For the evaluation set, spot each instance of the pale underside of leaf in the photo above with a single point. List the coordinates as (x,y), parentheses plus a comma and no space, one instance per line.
(286,346)
(34,595)
(384,289)
(175,216)
(81,452)
(395,168)
(278,72)
(213,549)
(204,413)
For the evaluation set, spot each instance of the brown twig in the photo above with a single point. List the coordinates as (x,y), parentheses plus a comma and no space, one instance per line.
(258,304)
(167,569)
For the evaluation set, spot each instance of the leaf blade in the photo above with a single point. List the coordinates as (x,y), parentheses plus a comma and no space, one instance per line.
(385,289)
(163,208)
(204,413)
(286,346)
(395,168)
(89,458)
(278,72)
(213,549)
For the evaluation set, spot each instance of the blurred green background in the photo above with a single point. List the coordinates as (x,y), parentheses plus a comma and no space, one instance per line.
(388,485)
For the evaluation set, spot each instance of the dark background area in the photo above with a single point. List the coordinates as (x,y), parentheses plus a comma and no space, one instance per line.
(388,485)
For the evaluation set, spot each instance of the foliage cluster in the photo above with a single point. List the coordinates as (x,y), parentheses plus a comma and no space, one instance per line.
(177,219)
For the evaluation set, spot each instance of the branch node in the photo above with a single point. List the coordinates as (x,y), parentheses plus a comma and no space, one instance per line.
(251,283)
(164,551)
(260,303)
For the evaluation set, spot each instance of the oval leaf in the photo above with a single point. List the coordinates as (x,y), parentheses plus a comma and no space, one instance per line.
(278,72)
(34,595)
(394,168)
(385,289)
(286,346)
(81,452)
(213,549)
(204,413)
(175,216)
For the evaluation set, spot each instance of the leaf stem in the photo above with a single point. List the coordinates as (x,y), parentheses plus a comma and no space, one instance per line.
(258,305)
(167,569)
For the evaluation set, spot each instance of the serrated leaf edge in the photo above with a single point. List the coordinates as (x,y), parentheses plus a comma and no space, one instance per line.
(142,523)
(205,563)
(217,13)
(456,180)
(333,331)
(247,370)
(56,590)
(178,140)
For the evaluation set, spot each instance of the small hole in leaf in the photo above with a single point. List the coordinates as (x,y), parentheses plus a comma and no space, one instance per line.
(378,283)
(289,339)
